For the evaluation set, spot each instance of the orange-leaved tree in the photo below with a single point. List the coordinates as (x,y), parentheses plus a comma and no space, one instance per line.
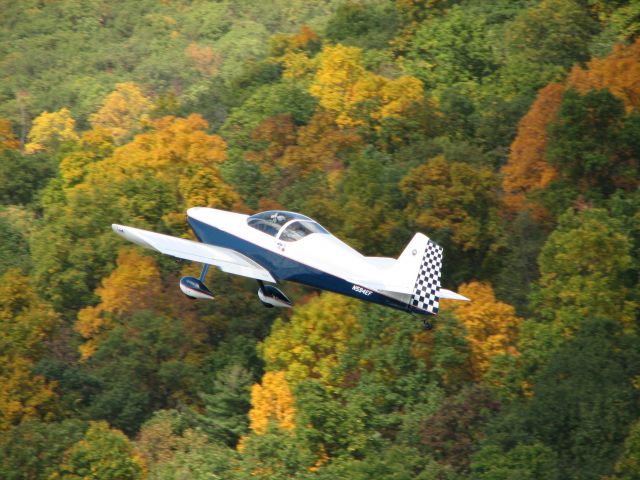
(8,139)
(527,169)
(619,72)
(135,284)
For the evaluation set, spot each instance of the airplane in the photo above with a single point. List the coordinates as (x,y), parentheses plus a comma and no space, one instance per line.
(276,246)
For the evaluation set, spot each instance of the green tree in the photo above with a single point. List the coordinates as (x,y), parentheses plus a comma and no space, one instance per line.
(14,248)
(543,42)
(367,26)
(628,465)
(152,349)
(35,449)
(593,144)
(584,399)
(224,414)
(103,453)
(584,266)
(453,49)
(22,176)
(525,461)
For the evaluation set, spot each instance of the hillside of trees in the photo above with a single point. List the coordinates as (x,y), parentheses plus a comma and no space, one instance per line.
(507,131)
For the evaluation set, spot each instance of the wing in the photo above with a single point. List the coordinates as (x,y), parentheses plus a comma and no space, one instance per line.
(224,258)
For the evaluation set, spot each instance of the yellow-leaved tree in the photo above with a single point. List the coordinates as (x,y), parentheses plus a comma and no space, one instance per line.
(272,401)
(310,343)
(343,86)
(26,322)
(491,325)
(124,111)
(50,130)
(95,144)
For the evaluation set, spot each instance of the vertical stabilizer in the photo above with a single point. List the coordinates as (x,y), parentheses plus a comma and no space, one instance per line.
(417,273)
(427,287)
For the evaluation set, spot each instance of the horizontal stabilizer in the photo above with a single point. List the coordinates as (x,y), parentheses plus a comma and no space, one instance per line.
(449,295)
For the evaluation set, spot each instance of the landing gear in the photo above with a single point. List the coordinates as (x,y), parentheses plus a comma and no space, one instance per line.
(195,288)
(426,325)
(271,297)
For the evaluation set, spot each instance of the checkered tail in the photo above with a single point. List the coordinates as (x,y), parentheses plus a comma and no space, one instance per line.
(427,288)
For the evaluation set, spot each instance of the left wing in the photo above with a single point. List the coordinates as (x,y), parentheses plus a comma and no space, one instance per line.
(224,258)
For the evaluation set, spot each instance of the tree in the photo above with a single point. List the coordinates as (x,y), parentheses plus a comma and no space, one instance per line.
(171,449)
(35,449)
(310,343)
(26,322)
(50,130)
(543,42)
(103,453)
(456,428)
(618,72)
(224,414)
(22,176)
(491,325)
(583,267)
(124,111)
(272,401)
(357,97)
(593,145)
(8,139)
(628,465)
(159,352)
(365,26)
(524,461)
(119,297)
(455,198)
(453,49)
(14,249)
(584,399)
(527,169)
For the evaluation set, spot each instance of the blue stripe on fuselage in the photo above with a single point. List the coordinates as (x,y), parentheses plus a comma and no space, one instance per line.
(283,268)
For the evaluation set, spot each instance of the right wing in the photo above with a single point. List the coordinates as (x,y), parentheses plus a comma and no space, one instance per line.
(224,258)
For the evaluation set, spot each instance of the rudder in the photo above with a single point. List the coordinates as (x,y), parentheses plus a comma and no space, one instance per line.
(427,287)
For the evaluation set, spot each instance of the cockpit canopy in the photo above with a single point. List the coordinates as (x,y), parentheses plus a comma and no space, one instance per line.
(287,226)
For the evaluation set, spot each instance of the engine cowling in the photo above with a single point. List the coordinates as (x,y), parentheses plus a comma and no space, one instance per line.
(195,289)
(273,297)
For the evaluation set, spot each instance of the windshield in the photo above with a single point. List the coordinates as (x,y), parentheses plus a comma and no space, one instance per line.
(300,229)
(294,226)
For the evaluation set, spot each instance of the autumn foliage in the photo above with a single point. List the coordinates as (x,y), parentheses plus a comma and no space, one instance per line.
(491,325)
(272,400)
(507,132)
(527,169)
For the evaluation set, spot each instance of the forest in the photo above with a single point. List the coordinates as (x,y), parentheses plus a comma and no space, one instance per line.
(507,131)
